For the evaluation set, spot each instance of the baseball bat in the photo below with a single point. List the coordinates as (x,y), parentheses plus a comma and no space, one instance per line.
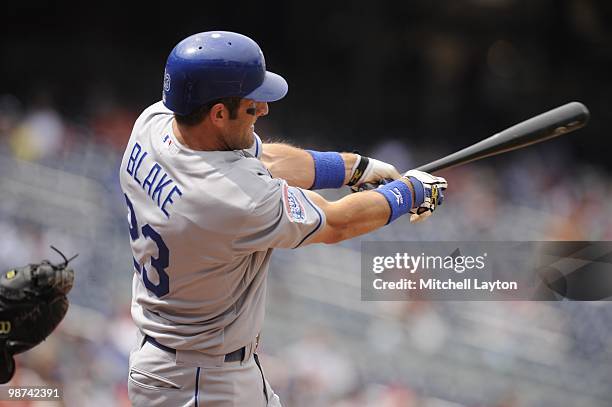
(561,120)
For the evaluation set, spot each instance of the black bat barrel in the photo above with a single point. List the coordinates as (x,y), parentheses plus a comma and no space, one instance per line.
(555,122)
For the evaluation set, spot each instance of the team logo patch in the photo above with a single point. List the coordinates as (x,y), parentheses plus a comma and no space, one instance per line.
(295,209)
(166,82)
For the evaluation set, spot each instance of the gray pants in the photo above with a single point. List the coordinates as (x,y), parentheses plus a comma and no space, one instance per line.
(161,378)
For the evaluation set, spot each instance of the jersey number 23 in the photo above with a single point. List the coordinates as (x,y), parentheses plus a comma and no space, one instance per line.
(163,257)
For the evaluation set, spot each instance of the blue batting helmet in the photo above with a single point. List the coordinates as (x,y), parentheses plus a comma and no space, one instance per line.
(217,64)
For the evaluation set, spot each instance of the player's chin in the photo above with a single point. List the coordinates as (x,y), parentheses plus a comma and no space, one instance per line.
(246,141)
(250,136)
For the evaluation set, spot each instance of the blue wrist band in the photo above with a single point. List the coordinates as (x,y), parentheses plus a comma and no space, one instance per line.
(398,196)
(419,191)
(329,170)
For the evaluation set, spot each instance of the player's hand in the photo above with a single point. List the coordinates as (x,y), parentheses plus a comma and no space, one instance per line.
(374,171)
(429,193)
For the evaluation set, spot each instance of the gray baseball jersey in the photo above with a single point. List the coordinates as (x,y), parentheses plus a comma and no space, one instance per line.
(202,226)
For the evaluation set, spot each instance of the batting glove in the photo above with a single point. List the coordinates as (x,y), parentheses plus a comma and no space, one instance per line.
(429,193)
(370,170)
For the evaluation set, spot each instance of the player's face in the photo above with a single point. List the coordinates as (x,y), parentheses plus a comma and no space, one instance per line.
(240,130)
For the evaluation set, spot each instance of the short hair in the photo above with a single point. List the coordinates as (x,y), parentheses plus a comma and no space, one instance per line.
(231,103)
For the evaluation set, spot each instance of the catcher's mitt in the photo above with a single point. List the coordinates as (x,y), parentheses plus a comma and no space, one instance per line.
(32,303)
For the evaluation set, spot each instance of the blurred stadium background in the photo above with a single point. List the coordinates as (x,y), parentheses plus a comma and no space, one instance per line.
(405,82)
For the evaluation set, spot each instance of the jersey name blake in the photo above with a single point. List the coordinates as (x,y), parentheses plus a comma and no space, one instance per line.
(156,183)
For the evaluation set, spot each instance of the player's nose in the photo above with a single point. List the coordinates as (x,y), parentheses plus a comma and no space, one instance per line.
(262,108)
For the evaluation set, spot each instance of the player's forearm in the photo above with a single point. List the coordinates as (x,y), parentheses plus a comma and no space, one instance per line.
(296,166)
(353,215)
(356,215)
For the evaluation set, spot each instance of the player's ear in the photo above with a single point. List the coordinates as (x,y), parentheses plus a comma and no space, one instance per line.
(217,113)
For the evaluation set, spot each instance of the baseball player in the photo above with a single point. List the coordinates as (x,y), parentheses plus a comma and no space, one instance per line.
(208,201)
